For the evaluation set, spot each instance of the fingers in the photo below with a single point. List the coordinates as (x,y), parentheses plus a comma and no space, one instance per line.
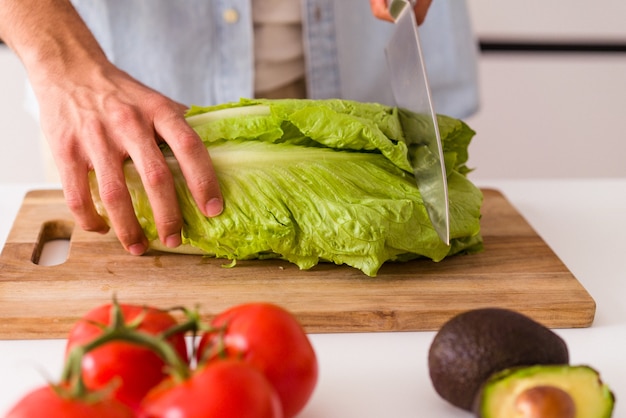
(157,181)
(74,177)
(194,161)
(106,120)
(96,120)
(141,127)
(380,10)
(94,149)
(138,139)
(74,172)
(117,202)
(421,9)
(129,132)
(105,150)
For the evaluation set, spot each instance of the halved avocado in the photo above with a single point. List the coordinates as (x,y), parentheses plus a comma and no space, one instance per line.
(545,391)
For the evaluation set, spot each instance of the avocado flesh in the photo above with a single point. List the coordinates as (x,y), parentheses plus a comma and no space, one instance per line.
(591,397)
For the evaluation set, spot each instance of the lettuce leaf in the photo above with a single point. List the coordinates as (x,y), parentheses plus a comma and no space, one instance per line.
(317,180)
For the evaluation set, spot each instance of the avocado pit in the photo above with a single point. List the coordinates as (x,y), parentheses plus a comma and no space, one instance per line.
(545,401)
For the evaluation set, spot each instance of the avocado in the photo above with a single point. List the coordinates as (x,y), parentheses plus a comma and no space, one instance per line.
(545,391)
(475,344)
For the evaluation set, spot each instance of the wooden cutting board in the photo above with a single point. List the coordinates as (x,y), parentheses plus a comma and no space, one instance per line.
(517,270)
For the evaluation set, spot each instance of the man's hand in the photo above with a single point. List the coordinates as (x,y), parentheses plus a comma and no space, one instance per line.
(381,11)
(96,122)
(95,116)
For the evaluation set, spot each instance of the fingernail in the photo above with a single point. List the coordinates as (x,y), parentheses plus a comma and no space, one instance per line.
(214,207)
(137,249)
(173,241)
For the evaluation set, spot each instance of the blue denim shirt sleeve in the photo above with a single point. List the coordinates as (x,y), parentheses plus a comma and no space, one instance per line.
(201,51)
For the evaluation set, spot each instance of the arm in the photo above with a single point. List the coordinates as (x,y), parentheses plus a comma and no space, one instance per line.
(380,10)
(95,116)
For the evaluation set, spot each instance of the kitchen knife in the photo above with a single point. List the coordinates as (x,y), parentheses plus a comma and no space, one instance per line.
(411,92)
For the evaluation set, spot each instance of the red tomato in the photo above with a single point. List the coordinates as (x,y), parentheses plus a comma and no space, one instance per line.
(135,369)
(45,402)
(272,340)
(222,389)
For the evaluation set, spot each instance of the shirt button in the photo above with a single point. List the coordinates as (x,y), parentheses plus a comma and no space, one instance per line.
(230,16)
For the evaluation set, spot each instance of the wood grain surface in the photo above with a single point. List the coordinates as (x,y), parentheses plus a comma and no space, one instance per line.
(517,270)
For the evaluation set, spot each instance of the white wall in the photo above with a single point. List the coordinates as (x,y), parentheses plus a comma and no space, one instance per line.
(554,20)
(20,153)
(550,114)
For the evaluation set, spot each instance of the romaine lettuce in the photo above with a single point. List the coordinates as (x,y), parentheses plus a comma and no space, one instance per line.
(317,180)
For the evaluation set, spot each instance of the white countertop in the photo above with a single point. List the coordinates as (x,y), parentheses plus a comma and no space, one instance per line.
(385,374)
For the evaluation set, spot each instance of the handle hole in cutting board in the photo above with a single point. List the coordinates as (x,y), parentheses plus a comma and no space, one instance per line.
(53,243)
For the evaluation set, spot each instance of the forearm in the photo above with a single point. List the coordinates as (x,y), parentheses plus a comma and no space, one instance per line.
(49,37)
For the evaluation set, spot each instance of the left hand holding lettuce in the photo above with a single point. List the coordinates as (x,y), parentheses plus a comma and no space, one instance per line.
(316,180)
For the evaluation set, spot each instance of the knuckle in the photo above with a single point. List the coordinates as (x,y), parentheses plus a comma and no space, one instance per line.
(187,142)
(67,152)
(169,224)
(157,174)
(123,115)
(205,182)
(112,192)
(76,202)
(94,127)
(81,208)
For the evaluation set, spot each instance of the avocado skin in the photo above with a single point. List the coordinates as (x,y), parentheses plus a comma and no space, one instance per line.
(576,380)
(475,344)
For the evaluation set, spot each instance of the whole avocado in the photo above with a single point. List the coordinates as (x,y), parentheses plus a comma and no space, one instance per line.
(475,344)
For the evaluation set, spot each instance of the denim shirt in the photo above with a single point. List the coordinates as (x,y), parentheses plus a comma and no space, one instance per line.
(201,51)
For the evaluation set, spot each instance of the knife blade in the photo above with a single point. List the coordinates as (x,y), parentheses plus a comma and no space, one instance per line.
(411,91)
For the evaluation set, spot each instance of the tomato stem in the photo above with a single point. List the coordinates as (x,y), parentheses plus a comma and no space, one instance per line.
(217,347)
(120,331)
